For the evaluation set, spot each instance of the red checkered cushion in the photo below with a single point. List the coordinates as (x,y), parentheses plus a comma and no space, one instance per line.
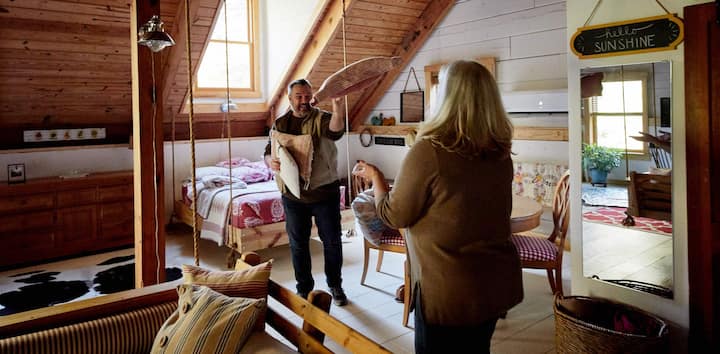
(392,237)
(534,248)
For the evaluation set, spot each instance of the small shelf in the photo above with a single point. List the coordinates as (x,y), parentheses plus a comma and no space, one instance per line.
(399,130)
(521,132)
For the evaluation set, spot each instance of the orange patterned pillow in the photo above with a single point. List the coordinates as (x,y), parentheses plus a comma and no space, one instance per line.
(251,282)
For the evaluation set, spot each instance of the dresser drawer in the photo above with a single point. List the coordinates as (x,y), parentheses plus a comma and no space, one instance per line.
(122,192)
(23,222)
(27,241)
(77,197)
(22,203)
(116,213)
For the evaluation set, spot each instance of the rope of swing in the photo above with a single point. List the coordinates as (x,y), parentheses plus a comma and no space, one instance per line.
(348,193)
(227,105)
(196,236)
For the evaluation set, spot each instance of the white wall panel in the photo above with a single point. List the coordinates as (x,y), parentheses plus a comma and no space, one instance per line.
(538,44)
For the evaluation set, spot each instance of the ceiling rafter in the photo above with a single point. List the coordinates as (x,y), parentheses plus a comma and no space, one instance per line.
(413,41)
(326,25)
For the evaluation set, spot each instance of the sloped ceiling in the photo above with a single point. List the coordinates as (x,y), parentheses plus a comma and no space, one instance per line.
(66,63)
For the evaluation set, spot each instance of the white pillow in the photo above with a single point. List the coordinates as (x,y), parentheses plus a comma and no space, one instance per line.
(201,172)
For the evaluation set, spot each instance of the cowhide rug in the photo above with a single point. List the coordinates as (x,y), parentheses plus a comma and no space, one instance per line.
(60,282)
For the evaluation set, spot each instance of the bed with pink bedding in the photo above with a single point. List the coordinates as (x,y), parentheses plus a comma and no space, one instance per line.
(244,212)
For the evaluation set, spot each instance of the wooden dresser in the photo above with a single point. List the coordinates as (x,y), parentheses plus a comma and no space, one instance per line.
(47,218)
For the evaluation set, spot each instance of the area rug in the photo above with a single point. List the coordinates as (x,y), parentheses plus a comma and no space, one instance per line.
(615,216)
(58,283)
(614,196)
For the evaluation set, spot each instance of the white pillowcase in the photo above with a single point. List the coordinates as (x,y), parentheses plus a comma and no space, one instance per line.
(201,172)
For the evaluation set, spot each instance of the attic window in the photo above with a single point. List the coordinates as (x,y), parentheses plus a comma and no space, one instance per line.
(242,52)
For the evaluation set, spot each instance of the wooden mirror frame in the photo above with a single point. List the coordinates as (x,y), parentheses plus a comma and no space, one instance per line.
(432,73)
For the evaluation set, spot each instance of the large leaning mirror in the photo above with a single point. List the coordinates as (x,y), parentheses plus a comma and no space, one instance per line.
(627,176)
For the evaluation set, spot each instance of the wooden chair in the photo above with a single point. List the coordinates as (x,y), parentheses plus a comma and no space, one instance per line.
(650,195)
(391,241)
(546,251)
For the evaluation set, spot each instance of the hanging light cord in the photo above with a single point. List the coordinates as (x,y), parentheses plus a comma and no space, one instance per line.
(196,241)
(155,185)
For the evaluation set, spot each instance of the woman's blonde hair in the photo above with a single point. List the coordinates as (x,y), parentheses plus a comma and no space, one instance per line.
(471,119)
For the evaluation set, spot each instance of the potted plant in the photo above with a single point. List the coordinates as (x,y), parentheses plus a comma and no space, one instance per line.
(599,161)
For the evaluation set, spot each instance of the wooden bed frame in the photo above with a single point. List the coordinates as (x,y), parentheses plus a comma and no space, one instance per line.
(251,238)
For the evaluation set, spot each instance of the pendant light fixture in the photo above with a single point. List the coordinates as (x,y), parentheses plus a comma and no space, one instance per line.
(153,35)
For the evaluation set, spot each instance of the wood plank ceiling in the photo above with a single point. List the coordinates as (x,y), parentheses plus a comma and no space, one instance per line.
(66,63)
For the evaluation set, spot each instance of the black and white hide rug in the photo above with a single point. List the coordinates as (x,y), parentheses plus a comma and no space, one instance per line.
(60,282)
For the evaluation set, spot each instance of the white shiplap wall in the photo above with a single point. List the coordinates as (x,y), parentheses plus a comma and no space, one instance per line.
(528,40)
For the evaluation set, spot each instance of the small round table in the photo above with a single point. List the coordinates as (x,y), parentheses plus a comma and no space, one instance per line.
(525,214)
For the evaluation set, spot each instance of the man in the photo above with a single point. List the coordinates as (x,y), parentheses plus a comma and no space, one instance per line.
(320,196)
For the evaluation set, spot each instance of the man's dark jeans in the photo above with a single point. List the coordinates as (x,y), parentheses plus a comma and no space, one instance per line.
(298,223)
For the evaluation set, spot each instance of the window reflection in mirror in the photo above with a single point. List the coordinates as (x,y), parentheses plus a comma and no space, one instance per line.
(627,223)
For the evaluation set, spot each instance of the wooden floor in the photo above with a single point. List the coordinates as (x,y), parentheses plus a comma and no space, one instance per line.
(613,252)
(528,328)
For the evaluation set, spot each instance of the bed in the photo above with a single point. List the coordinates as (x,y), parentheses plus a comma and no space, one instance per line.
(251,219)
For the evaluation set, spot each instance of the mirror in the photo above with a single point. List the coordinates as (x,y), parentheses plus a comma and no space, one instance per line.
(627,212)
(412,107)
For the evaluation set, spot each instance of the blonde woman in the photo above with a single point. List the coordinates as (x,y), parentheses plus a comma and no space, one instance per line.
(453,194)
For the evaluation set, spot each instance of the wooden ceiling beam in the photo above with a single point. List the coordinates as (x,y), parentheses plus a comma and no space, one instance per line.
(326,25)
(422,29)
(410,4)
(176,60)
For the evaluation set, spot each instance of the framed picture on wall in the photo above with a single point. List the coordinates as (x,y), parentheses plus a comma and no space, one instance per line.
(16,173)
(412,107)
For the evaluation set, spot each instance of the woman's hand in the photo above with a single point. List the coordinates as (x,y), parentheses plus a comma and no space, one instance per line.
(365,170)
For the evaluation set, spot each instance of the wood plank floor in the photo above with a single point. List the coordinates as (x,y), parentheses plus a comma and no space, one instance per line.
(528,328)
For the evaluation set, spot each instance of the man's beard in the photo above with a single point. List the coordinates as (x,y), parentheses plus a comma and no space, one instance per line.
(300,112)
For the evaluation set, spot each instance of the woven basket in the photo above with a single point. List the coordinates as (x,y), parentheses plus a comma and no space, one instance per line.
(586,325)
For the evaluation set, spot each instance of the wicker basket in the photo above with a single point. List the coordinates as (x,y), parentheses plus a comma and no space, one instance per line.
(588,325)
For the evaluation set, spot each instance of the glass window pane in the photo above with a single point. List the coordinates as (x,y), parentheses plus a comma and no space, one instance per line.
(611,100)
(237,28)
(238,20)
(212,68)
(633,96)
(611,129)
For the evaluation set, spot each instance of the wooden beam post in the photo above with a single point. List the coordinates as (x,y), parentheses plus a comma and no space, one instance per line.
(147,152)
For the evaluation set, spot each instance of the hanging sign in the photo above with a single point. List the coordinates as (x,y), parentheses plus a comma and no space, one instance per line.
(628,37)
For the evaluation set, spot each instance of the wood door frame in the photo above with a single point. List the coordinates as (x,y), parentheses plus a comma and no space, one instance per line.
(701,81)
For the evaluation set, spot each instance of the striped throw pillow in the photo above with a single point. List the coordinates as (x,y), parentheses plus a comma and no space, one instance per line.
(207,322)
(251,282)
